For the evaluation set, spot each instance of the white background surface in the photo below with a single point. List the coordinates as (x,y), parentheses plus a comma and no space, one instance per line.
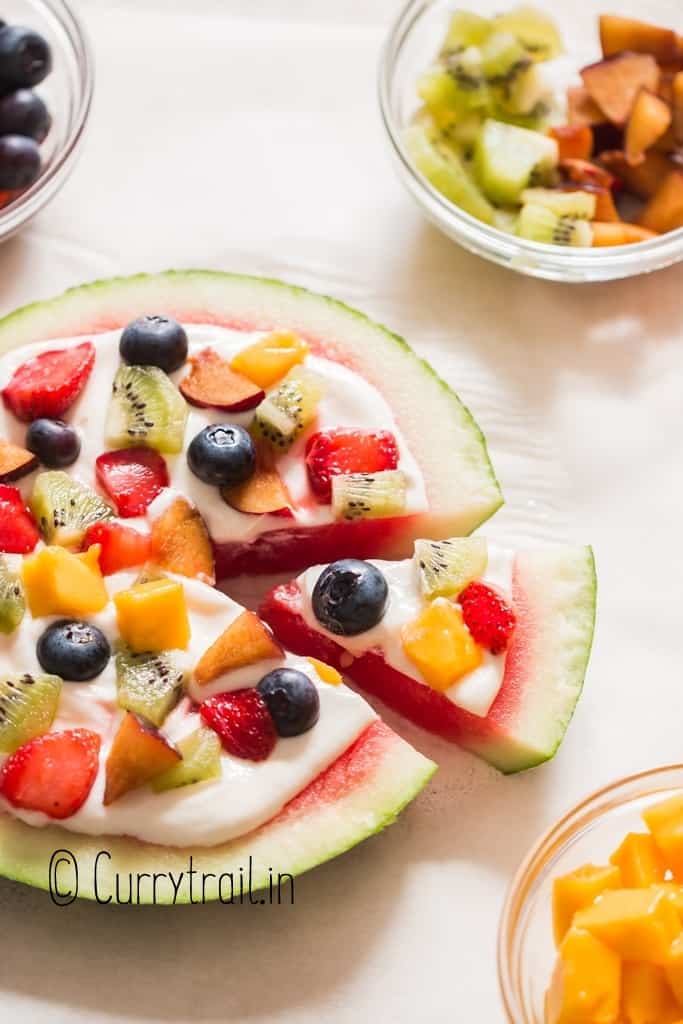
(244,135)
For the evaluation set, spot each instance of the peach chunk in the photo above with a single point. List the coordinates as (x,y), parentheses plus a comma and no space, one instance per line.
(619,233)
(618,35)
(648,122)
(180,542)
(574,141)
(138,754)
(614,83)
(642,180)
(664,212)
(246,641)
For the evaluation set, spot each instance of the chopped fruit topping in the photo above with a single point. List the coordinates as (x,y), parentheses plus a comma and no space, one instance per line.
(148,684)
(326,672)
(440,646)
(54,442)
(12,599)
(264,492)
(586,983)
(76,651)
(243,722)
(540,224)
(509,158)
(369,495)
(565,203)
(28,705)
(154,341)
(574,141)
(644,179)
(288,410)
(447,566)
(58,582)
(350,597)
(213,383)
(48,384)
(201,761)
(132,478)
(53,773)
(579,890)
(646,996)
(246,641)
(180,542)
(222,454)
(292,700)
(536,31)
(605,210)
(331,452)
(65,508)
(146,408)
(488,617)
(18,532)
(121,547)
(648,121)
(665,822)
(153,616)
(15,462)
(138,754)
(637,924)
(585,173)
(618,35)
(266,361)
(582,109)
(677,102)
(664,212)
(639,861)
(614,83)
(620,233)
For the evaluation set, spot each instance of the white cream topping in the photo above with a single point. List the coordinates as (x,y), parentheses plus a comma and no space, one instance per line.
(349,401)
(247,794)
(476,691)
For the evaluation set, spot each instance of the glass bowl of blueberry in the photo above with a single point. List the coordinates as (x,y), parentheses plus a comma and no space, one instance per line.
(46,84)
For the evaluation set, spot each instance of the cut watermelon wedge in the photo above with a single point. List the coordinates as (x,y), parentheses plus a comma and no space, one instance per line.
(553,595)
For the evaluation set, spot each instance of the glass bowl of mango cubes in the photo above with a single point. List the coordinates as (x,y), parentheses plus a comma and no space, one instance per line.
(548,139)
(592,930)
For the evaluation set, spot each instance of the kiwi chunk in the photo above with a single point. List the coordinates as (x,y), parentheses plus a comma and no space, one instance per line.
(466,29)
(509,159)
(288,410)
(580,205)
(446,172)
(149,684)
(201,753)
(445,567)
(28,705)
(64,508)
(503,58)
(369,495)
(146,408)
(538,33)
(540,224)
(12,599)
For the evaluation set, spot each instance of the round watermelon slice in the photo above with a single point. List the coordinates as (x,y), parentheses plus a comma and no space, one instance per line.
(461,488)
(553,595)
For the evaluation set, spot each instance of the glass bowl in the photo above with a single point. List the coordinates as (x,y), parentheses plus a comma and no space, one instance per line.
(411,47)
(587,834)
(67,92)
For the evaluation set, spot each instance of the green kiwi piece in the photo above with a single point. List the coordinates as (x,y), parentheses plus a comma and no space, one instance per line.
(149,684)
(28,705)
(201,753)
(445,567)
(540,224)
(580,205)
(146,408)
(466,29)
(445,170)
(503,58)
(12,600)
(537,32)
(289,409)
(509,159)
(369,495)
(65,508)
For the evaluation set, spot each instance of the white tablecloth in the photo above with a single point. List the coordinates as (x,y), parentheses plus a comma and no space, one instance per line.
(244,135)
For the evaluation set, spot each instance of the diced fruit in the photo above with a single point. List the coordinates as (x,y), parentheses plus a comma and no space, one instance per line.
(638,924)
(440,646)
(537,33)
(523,98)
(58,582)
(266,361)
(326,672)
(620,233)
(466,29)
(664,212)
(246,641)
(121,547)
(20,162)
(53,773)
(48,384)
(292,699)
(77,651)
(12,599)
(369,495)
(15,462)
(345,450)
(148,684)
(446,566)
(586,173)
(578,890)
(677,104)
(138,754)
(264,492)
(674,969)
(648,121)
(605,208)
(614,83)
(180,542)
(201,761)
(509,159)
(18,532)
(222,455)
(153,616)
(243,722)
(502,57)
(65,509)
(639,861)
(539,224)
(644,179)
(619,35)
(24,112)
(213,383)
(446,172)
(154,341)
(665,822)
(582,109)
(145,408)
(579,205)
(288,410)
(28,705)
(574,141)
(54,442)
(469,87)
(25,57)
(645,994)
(350,597)
(487,615)
(586,983)
(132,478)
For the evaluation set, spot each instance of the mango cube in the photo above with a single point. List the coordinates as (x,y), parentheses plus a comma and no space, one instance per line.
(579,890)
(640,861)
(637,924)
(440,645)
(665,821)
(586,983)
(58,582)
(153,616)
(674,969)
(267,361)
(645,993)
(326,672)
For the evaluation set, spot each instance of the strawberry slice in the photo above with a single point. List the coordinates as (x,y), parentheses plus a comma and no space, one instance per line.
(132,477)
(488,616)
(50,383)
(53,773)
(242,720)
(18,531)
(121,547)
(331,452)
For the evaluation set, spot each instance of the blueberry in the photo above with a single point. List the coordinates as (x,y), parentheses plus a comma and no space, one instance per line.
(24,113)
(222,454)
(292,700)
(76,651)
(19,162)
(54,442)
(350,597)
(25,57)
(154,341)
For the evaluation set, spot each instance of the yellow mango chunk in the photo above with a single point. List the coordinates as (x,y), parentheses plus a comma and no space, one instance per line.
(579,890)
(674,969)
(674,893)
(586,983)
(638,924)
(640,861)
(153,616)
(665,821)
(326,672)
(58,582)
(645,993)
(268,360)
(440,645)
